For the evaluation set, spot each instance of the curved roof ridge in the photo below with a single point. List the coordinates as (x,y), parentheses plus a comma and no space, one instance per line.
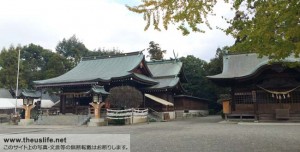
(111,56)
(163,61)
(241,65)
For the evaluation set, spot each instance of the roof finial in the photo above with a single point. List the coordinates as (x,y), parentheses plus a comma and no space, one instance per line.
(141,52)
(175,55)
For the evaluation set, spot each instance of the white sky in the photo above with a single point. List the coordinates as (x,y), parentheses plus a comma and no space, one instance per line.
(101,23)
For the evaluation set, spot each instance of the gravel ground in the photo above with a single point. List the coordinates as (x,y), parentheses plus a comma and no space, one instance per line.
(190,135)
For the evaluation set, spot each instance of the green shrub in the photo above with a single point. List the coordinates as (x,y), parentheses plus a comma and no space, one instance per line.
(117,122)
(212,112)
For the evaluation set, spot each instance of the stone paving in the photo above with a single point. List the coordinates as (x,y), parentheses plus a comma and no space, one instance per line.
(207,134)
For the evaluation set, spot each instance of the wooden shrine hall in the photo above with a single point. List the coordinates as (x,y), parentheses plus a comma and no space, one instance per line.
(260,89)
(129,69)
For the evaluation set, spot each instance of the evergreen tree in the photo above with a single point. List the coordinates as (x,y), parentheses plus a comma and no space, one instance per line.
(72,49)
(155,52)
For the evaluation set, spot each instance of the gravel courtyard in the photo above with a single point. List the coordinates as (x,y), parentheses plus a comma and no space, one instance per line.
(190,135)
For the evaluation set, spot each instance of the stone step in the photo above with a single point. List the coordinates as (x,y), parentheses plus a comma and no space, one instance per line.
(153,117)
(62,120)
(272,118)
(294,115)
(294,118)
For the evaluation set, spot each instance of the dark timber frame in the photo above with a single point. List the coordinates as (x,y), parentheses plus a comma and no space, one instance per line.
(259,89)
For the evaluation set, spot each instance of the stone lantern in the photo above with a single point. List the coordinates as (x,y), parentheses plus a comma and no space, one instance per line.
(97,93)
(28,96)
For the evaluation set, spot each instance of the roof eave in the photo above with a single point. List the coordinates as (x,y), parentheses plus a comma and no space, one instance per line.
(167,88)
(53,85)
(98,90)
(151,83)
(132,76)
(29,94)
(193,97)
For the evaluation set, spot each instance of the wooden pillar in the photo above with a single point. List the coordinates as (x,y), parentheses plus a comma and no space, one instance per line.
(144,99)
(73,105)
(63,104)
(232,99)
(97,108)
(255,104)
(27,110)
(60,104)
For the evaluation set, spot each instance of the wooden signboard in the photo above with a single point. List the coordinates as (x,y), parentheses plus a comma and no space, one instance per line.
(226,107)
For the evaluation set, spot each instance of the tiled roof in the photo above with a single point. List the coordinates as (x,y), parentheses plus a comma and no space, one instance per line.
(30,94)
(4,93)
(98,69)
(165,68)
(242,65)
(97,90)
(166,72)
(165,83)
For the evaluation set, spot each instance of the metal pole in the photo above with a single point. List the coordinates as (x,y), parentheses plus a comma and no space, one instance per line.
(132,116)
(17,87)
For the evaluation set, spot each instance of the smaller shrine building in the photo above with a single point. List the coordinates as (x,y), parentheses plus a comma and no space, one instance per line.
(261,89)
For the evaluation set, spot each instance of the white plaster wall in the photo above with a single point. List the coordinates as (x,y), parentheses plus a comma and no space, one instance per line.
(139,120)
(171,114)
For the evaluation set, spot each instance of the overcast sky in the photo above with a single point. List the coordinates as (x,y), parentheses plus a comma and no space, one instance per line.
(101,23)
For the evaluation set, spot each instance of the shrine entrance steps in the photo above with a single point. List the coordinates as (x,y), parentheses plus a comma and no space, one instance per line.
(241,117)
(263,118)
(154,118)
(272,118)
(66,119)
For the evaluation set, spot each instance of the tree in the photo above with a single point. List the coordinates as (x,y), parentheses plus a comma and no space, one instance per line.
(39,63)
(104,52)
(32,63)
(9,68)
(195,74)
(125,97)
(36,63)
(155,51)
(55,65)
(184,12)
(274,29)
(198,84)
(215,65)
(72,49)
(269,27)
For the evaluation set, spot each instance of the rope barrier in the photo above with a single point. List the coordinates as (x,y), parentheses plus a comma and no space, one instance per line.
(279,94)
(119,114)
(127,113)
(110,110)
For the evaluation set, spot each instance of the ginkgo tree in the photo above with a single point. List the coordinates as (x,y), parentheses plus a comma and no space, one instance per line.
(267,27)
